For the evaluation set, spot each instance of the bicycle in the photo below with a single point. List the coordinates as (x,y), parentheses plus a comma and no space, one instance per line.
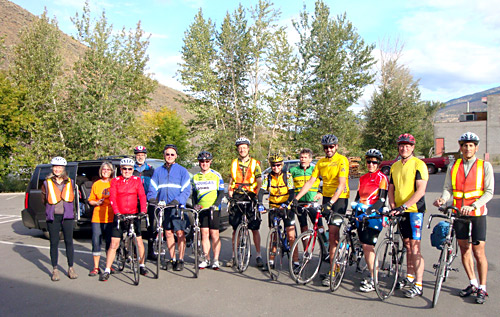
(159,245)
(277,243)
(128,250)
(389,259)
(197,247)
(241,247)
(348,251)
(448,250)
(309,247)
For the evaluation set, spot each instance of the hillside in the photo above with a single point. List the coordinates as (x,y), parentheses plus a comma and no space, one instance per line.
(14,17)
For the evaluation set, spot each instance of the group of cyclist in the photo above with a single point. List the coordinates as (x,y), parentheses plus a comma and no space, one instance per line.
(469,181)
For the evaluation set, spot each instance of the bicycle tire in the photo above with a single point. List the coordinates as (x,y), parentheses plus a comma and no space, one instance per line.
(339,263)
(273,250)
(242,248)
(134,261)
(120,257)
(440,275)
(386,269)
(310,255)
(196,253)
(158,246)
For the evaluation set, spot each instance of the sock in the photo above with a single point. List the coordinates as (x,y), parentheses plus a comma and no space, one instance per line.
(271,262)
(418,285)
(483,287)
(411,278)
(107,270)
(258,255)
(174,260)
(296,263)
(474,282)
(142,265)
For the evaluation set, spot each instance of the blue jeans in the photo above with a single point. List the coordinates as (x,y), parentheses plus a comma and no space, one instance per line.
(100,231)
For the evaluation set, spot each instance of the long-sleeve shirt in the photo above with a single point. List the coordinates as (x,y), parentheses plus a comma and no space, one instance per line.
(124,194)
(169,184)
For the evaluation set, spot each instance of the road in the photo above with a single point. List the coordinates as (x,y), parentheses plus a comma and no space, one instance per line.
(26,288)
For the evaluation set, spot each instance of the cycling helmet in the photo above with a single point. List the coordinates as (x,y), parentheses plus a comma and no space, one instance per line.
(468,137)
(58,161)
(127,162)
(406,138)
(242,140)
(329,139)
(140,149)
(374,153)
(205,155)
(275,158)
(170,146)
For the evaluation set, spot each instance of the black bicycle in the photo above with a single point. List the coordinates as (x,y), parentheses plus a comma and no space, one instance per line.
(277,243)
(242,243)
(159,244)
(449,249)
(198,253)
(128,250)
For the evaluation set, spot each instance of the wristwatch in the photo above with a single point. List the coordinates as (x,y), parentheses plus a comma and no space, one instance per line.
(404,206)
(473,206)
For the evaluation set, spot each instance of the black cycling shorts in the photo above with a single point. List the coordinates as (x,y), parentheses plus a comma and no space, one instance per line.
(340,207)
(288,221)
(118,232)
(368,235)
(303,212)
(211,221)
(236,215)
(477,232)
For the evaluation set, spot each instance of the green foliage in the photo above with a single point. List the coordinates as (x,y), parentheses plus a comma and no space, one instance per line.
(12,184)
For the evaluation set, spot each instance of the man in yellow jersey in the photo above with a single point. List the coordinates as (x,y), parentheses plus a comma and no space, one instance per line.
(471,183)
(408,180)
(334,169)
(245,183)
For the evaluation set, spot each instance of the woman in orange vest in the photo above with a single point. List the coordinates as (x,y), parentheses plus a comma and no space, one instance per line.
(58,192)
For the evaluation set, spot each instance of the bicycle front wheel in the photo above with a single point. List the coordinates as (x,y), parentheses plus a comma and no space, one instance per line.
(440,275)
(386,269)
(273,254)
(339,263)
(196,252)
(134,261)
(121,256)
(158,250)
(310,253)
(242,248)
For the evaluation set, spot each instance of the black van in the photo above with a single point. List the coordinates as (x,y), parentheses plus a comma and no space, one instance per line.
(84,173)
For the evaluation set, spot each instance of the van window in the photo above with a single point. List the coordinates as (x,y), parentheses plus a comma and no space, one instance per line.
(41,173)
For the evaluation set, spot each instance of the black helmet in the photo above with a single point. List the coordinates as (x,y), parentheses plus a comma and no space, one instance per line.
(242,140)
(329,139)
(374,153)
(468,137)
(170,146)
(205,155)
(140,149)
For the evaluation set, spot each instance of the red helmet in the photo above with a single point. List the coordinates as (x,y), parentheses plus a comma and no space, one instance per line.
(140,149)
(406,138)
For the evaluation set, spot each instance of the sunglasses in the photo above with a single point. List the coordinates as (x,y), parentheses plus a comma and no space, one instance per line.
(328,147)
(127,169)
(204,161)
(275,165)
(169,154)
(372,162)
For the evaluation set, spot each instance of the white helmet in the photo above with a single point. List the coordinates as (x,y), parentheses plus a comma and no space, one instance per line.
(127,162)
(242,140)
(468,137)
(59,161)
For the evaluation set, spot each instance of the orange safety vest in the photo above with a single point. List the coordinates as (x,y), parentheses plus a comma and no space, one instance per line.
(247,181)
(468,189)
(54,195)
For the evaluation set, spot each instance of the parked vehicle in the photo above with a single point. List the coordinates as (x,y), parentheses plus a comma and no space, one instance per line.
(84,173)
(287,166)
(433,164)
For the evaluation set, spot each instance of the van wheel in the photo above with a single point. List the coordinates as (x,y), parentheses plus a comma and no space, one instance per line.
(432,169)
(47,235)
(386,170)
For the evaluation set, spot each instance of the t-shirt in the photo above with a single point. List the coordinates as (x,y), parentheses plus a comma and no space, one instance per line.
(330,169)
(300,177)
(207,186)
(404,178)
(104,212)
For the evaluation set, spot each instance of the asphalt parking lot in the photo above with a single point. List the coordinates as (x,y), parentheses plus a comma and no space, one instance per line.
(26,288)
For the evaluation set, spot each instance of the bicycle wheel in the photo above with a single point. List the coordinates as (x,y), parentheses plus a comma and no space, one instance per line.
(339,263)
(134,261)
(196,252)
(120,257)
(440,275)
(158,250)
(386,269)
(242,248)
(310,254)
(273,253)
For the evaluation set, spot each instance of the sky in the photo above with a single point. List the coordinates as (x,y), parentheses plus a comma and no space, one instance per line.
(451,46)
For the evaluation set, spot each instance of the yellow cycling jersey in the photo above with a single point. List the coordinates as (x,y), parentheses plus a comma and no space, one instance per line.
(331,169)
(404,178)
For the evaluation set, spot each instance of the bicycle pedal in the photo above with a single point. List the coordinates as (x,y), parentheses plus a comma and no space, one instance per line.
(435,266)
(453,269)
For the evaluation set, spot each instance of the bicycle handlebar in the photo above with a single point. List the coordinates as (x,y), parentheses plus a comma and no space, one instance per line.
(124,217)
(449,214)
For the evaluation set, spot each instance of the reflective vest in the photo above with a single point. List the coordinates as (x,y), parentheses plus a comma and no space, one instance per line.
(54,195)
(247,181)
(468,189)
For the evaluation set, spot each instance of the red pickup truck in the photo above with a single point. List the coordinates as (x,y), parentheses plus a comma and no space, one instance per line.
(433,164)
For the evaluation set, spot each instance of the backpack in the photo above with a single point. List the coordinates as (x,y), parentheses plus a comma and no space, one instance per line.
(439,233)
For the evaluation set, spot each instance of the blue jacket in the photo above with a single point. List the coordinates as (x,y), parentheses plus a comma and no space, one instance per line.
(169,186)
(145,172)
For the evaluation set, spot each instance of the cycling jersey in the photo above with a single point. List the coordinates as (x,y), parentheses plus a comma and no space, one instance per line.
(404,178)
(278,190)
(169,184)
(244,174)
(300,177)
(370,187)
(124,194)
(331,169)
(206,188)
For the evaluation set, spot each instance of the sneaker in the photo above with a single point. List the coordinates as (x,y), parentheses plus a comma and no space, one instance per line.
(169,265)
(368,287)
(215,265)
(179,266)
(55,275)
(414,291)
(259,261)
(203,264)
(230,263)
(404,283)
(296,269)
(481,296)
(104,277)
(113,271)
(143,271)
(469,290)
(326,281)
(268,267)
(365,281)
(72,274)
(96,271)
(152,256)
